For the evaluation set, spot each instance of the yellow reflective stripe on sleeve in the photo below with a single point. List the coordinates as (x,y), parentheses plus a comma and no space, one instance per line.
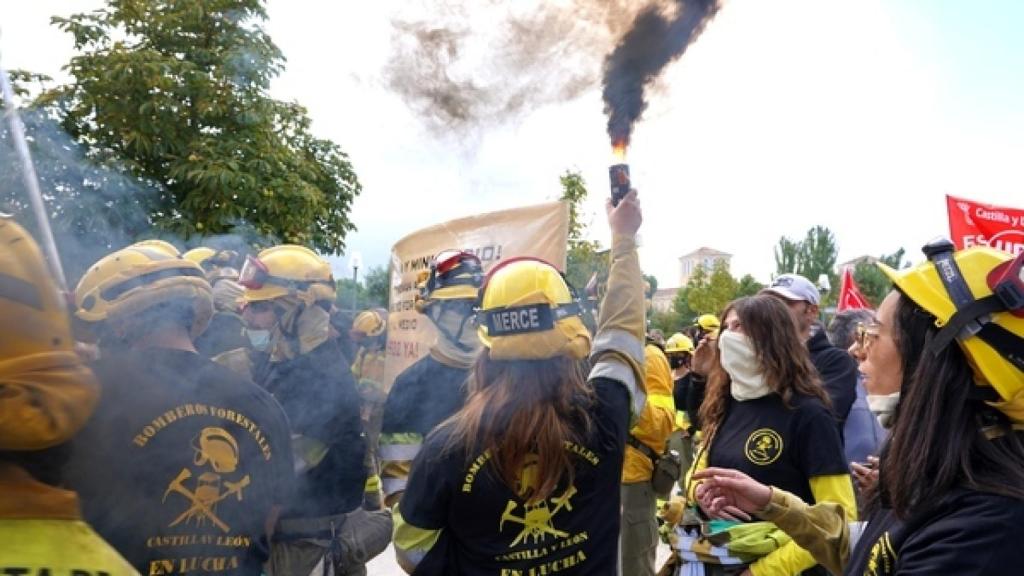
(698,465)
(662,401)
(411,542)
(792,559)
(372,484)
(837,488)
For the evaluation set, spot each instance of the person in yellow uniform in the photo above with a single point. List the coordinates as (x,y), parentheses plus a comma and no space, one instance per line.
(638,541)
(46,395)
(369,334)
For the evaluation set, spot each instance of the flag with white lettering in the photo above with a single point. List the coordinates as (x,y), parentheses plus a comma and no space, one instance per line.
(973,224)
(541,231)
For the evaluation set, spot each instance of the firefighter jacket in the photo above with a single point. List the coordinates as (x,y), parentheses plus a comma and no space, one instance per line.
(368,371)
(424,395)
(656,421)
(41,531)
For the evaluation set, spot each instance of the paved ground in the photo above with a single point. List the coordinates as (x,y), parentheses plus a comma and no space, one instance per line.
(385,565)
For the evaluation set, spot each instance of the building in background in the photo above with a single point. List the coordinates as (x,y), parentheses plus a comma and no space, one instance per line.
(703,256)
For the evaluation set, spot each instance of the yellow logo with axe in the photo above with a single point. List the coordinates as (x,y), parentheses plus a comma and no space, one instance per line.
(536,518)
(218,449)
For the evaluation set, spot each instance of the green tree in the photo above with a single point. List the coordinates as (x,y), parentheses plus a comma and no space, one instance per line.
(818,255)
(708,294)
(811,257)
(378,289)
(176,93)
(787,254)
(747,286)
(93,208)
(669,322)
(681,305)
(585,258)
(872,282)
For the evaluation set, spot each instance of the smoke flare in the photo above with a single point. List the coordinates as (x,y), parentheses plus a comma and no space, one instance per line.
(656,38)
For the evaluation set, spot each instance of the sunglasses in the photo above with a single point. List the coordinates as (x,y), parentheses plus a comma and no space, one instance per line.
(867,333)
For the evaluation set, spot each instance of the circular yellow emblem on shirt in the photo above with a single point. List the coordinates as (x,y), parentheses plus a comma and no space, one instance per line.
(764,446)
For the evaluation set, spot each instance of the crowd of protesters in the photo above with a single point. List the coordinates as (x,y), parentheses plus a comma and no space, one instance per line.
(213,412)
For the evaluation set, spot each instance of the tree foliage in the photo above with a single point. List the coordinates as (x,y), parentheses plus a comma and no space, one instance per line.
(93,208)
(748,286)
(378,289)
(174,95)
(811,257)
(872,282)
(709,293)
(371,291)
(585,258)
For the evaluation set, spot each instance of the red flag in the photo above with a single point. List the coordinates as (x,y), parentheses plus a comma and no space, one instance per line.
(973,223)
(850,297)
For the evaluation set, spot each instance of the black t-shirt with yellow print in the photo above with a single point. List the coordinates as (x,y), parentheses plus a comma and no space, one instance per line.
(180,464)
(968,533)
(487,529)
(779,445)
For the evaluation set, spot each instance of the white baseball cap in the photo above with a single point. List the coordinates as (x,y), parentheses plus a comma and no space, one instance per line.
(795,287)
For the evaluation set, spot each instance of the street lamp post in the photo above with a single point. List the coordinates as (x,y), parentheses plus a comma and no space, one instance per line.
(355,262)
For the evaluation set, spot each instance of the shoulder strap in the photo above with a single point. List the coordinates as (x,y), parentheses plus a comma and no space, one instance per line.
(643,448)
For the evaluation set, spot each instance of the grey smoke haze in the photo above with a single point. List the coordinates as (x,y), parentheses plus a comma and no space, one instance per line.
(463,65)
(656,38)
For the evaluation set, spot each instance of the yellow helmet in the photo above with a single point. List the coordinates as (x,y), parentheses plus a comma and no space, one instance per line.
(528,312)
(370,322)
(199,255)
(48,394)
(978,300)
(708,322)
(287,270)
(161,245)
(139,277)
(453,275)
(31,309)
(678,343)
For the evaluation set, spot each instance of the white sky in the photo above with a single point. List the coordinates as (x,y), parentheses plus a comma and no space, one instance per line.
(858,115)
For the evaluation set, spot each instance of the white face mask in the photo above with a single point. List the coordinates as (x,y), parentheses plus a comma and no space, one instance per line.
(740,361)
(883,406)
(258,339)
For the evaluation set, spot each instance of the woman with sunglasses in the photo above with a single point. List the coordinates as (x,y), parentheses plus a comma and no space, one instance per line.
(524,478)
(950,494)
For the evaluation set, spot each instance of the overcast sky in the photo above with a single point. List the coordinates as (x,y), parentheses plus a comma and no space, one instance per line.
(858,115)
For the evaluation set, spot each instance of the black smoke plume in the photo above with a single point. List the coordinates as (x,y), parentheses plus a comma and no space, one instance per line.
(465,65)
(656,38)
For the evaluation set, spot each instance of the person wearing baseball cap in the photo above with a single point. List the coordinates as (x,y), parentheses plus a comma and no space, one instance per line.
(837,369)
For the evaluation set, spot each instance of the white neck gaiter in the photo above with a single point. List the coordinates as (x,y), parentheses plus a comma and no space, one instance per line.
(740,361)
(883,406)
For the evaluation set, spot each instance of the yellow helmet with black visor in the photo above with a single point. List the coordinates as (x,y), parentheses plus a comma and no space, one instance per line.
(977,298)
(528,311)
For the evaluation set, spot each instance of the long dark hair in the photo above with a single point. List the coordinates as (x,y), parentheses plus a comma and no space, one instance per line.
(938,442)
(782,354)
(519,410)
